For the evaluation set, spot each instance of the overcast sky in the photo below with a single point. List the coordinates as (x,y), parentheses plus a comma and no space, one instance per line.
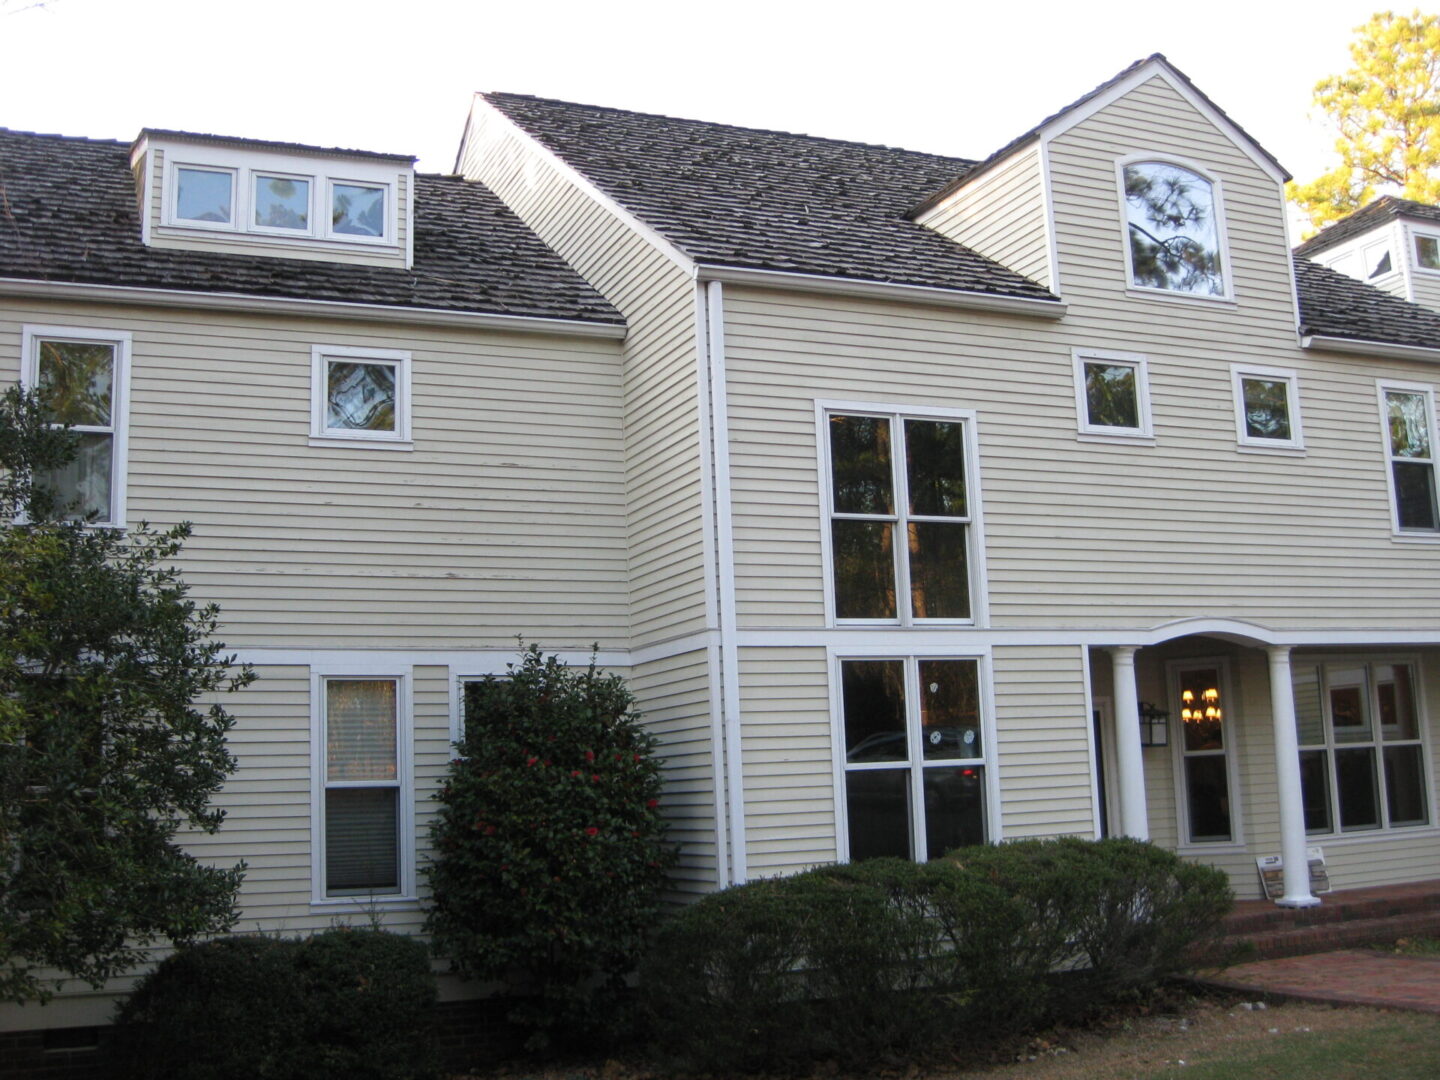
(957,78)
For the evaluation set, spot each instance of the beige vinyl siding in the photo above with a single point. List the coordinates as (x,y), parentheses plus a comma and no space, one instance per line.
(661,385)
(508,517)
(674,697)
(787,759)
(1043,742)
(1001,214)
(270,245)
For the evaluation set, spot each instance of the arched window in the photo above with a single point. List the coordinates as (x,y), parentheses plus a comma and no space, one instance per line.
(1173,225)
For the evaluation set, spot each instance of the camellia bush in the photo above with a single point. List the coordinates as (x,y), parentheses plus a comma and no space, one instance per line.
(549,847)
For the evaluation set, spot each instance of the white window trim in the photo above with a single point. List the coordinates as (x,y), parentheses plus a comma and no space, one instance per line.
(405,777)
(1412,245)
(1222,236)
(1092,432)
(988,761)
(31,336)
(1382,386)
(1240,372)
(1417,668)
(244,166)
(975,535)
(320,435)
(1234,751)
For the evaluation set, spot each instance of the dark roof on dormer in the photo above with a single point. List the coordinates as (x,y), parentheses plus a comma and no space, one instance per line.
(766,200)
(1371,216)
(267,144)
(1336,305)
(70,214)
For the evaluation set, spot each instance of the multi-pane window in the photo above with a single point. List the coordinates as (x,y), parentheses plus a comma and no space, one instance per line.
(1112,393)
(1172,220)
(915,756)
(1408,416)
(362,810)
(1267,407)
(1362,759)
(900,518)
(360,394)
(1427,252)
(1205,730)
(79,376)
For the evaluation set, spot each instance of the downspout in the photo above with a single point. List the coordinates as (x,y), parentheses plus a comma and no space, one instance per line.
(725,568)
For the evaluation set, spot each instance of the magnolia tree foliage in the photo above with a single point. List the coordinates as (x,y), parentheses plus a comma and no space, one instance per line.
(549,847)
(1386,112)
(104,755)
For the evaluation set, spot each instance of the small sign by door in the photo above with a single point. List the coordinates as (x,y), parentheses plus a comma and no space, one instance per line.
(1272,873)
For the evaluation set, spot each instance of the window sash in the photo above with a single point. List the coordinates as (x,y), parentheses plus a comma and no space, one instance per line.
(1164,258)
(1090,394)
(1205,752)
(1407,418)
(1251,417)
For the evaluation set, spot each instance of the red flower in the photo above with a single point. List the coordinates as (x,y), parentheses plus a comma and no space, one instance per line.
(531,761)
(592,831)
(653,803)
(595,777)
(637,757)
(589,755)
(574,773)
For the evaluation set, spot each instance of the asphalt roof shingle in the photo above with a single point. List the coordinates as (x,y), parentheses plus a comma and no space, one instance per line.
(69,214)
(1336,305)
(1386,208)
(767,200)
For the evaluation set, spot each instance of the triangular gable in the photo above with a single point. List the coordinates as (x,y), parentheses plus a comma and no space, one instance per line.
(1104,95)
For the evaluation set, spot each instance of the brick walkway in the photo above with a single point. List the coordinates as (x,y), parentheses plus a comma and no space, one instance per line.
(1347,977)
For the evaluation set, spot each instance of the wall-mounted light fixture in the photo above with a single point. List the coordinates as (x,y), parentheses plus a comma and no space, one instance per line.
(1154,725)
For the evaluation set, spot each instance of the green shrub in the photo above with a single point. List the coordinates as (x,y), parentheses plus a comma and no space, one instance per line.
(886,957)
(549,844)
(342,1004)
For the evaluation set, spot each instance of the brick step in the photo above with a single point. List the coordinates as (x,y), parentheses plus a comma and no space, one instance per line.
(1323,936)
(1274,917)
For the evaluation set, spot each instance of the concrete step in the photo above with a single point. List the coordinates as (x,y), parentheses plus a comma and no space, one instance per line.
(1295,938)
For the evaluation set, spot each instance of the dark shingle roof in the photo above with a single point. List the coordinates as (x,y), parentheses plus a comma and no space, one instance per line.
(269,144)
(1386,208)
(69,214)
(1336,305)
(739,197)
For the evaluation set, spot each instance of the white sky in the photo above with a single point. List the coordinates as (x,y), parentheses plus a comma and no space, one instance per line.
(961,77)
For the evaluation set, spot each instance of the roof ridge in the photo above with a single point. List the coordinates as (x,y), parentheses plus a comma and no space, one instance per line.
(63,138)
(490,95)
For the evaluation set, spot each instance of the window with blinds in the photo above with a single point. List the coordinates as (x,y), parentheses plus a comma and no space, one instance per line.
(362,788)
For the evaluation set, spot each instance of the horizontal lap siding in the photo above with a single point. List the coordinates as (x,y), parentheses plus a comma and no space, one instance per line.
(507,518)
(1001,214)
(787,760)
(1426,287)
(674,696)
(662,421)
(1043,741)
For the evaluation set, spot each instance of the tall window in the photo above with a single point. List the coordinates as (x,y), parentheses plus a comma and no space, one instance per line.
(1362,760)
(362,836)
(81,378)
(915,756)
(1408,416)
(1206,729)
(1173,226)
(899,518)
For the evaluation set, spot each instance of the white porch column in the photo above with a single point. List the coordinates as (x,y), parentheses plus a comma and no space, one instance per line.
(1134,819)
(1287,776)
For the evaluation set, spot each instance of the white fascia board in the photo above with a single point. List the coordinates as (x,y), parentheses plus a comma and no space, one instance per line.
(916,640)
(580,180)
(277,305)
(1370,348)
(1078,115)
(879,290)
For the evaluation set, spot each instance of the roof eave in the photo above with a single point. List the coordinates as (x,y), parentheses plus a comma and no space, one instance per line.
(883,290)
(299,306)
(1360,347)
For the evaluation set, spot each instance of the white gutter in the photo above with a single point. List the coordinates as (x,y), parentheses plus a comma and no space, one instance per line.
(273,305)
(725,566)
(879,290)
(1370,348)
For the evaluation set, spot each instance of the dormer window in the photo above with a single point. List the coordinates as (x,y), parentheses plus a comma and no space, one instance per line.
(205,196)
(1427,252)
(357,209)
(282,202)
(1174,231)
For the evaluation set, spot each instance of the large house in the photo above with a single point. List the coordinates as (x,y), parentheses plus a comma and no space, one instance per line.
(923,501)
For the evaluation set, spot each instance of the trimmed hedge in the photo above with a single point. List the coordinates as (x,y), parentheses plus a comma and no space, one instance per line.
(341,1004)
(853,963)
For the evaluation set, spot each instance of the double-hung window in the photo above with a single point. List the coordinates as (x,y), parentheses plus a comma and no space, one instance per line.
(362,834)
(1407,414)
(1362,755)
(901,516)
(360,395)
(915,764)
(1267,408)
(1112,393)
(82,379)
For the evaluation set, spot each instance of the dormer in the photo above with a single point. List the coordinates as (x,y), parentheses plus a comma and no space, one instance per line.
(1393,244)
(248,197)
